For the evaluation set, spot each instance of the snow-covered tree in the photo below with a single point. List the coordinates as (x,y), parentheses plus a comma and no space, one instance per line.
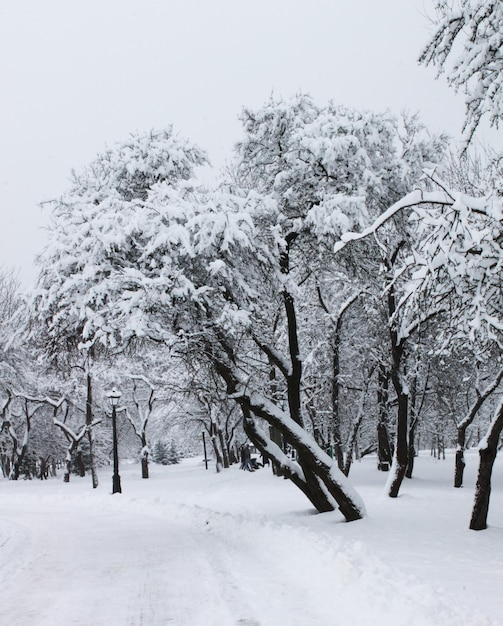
(16,363)
(144,399)
(96,231)
(468,46)
(160,453)
(220,273)
(455,267)
(79,267)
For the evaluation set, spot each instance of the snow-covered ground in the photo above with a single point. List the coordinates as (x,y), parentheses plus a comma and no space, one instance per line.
(190,547)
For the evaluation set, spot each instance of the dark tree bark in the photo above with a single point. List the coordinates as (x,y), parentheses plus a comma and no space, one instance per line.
(270,449)
(459,459)
(143,412)
(68,461)
(19,449)
(487,454)
(401,449)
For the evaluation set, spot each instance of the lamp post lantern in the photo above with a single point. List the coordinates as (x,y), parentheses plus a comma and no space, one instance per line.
(114,396)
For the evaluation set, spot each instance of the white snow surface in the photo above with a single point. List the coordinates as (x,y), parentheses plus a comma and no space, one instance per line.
(190,547)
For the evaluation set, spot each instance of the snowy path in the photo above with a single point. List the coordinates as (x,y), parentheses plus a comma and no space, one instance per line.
(109,568)
(92,568)
(72,556)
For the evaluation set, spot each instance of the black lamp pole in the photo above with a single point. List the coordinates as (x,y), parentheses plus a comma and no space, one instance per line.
(114,397)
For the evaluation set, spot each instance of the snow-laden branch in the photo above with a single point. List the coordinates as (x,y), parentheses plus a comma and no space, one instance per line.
(481,398)
(40,399)
(69,432)
(413,199)
(143,379)
(274,356)
(262,407)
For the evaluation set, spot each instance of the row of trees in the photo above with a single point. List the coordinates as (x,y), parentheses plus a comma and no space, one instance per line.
(340,284)
(54,411)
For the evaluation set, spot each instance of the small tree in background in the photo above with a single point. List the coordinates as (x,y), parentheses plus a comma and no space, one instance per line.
(172,455)
(160,453)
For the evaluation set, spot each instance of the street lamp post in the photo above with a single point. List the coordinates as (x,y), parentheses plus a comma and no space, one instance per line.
(114,396)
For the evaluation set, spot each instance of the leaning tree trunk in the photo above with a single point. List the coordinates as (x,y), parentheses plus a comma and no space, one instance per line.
(286,467)
(316,473)
(327,486)
(488,448)
(294,379)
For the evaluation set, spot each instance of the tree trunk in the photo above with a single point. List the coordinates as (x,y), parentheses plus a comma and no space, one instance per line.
(223,447)
(15,470)
(400,457)
(216,447)
(90,434)
(488,449)
(144,466)
(68,462)
(277,438)
(80,463)
(318,476)
(144,456)
(336,429)
(294,379)
(323,479)
(383,444)
(411,449)
(351,444)
(271,450)
(459,459)
(459,462)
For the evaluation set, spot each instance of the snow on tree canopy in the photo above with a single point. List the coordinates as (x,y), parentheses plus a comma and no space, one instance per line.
(456,264)
(327,168)
(98,233)
(470,35)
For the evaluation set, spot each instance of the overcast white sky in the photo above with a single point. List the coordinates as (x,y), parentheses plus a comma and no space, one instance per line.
(77,75)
